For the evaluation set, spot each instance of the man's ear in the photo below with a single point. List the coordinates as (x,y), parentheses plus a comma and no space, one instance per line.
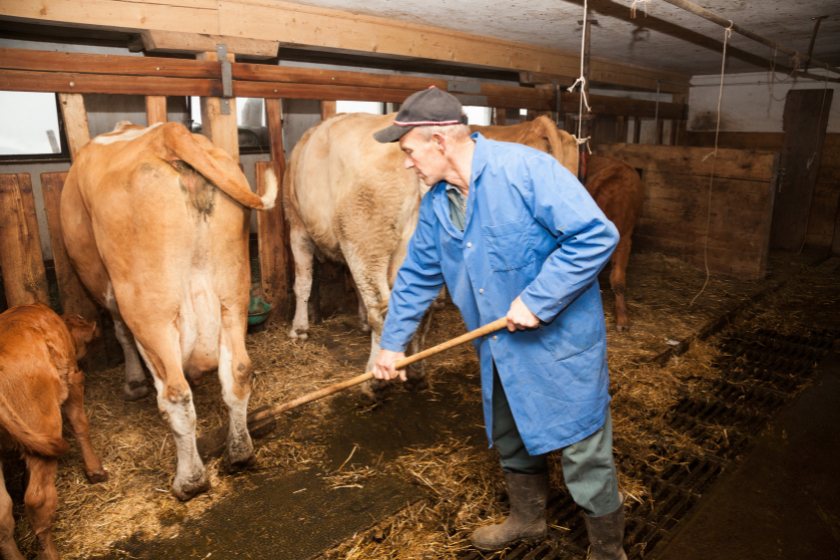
(440,140)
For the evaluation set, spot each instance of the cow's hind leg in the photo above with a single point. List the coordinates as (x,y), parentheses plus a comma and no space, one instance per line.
(235,378)
(41,501)
(135,386)
(303,250)
(416,376)
(618,275)
(74,410)
(175,402)
(8,548)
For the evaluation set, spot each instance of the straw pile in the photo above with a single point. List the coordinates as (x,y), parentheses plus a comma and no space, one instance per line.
(462,480)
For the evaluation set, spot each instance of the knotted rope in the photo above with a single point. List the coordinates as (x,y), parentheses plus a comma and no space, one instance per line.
(582,82)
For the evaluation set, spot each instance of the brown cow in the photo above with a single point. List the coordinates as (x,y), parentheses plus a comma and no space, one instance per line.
(349,198)
(40,378)
(615,186)
(156,224)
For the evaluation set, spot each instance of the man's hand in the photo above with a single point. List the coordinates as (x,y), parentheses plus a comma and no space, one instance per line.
(384,366)
(520,317)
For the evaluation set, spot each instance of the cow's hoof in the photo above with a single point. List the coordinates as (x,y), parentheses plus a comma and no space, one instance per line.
(191,488)
(300,334)
(135,390)
(365,328)
(417,384)
(241,463)
(100,476)
(622,327)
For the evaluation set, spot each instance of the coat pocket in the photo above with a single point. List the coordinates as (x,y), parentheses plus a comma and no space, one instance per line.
(508,245)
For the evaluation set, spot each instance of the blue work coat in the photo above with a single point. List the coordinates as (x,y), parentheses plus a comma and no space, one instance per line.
(533,231)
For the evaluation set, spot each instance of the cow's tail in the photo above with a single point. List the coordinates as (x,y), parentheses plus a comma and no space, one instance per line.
(563,146)
(180,142)
(27,440)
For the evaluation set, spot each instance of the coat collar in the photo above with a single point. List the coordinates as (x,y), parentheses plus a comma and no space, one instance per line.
(441,201)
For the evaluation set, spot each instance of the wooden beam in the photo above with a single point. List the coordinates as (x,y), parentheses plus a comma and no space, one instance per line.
(309,27)
(637,129)
(62,82)
(51,61)
(155,40)
(155,109)
(274,116)
(75,121)
(74,298)
(534,78)
(20,244)
(271,231)
(328,109)
(221,129)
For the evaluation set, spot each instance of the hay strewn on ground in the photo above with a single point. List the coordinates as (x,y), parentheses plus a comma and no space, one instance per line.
(463,482)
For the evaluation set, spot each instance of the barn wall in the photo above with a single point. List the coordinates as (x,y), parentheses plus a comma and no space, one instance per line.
(748,105)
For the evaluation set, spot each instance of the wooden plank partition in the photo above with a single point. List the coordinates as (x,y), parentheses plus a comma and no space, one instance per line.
(271,228)
(21,260)
(676,205)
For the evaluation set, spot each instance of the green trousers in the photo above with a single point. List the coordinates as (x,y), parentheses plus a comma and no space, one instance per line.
(588,465)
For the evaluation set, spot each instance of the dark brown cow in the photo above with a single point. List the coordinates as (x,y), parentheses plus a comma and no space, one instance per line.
(40,378)
(615,186)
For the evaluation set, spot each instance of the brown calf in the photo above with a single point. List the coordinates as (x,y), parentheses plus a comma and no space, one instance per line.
(40,378)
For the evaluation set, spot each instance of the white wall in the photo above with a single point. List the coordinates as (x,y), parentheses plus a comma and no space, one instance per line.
(748,105)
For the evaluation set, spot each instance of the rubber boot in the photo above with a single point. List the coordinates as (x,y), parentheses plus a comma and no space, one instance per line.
(528,494)
(606,534)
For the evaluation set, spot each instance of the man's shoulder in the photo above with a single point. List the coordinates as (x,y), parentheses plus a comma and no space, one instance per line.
(511,152)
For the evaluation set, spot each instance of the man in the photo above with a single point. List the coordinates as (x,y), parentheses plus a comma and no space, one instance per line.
(511,232)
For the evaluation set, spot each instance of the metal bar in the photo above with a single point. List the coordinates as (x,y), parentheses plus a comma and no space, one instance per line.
(656,116)
(723,22)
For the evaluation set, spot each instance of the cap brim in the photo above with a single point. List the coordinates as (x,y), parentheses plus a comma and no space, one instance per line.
(392,133)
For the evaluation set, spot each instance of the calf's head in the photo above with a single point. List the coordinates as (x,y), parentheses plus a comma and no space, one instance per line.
(81,331)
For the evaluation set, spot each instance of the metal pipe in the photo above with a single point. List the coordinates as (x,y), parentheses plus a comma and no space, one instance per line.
(723,22)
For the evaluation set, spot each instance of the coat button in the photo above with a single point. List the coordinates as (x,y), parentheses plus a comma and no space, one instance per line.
(469,244)
(481,291)
(495,337)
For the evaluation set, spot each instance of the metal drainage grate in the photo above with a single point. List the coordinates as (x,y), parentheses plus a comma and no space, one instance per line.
(760,372)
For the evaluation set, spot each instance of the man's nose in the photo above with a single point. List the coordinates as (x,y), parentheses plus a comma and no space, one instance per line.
(408,163)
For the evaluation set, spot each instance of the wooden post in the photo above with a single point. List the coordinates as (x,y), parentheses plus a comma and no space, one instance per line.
(74,298)
(328,109)
(499,116)
(221,129)
(20,245)
(637,129)
(271,228)
(679,126)
(155,109)
(274,116)
(621,129)
(75,121)
(835,242)
(660,126)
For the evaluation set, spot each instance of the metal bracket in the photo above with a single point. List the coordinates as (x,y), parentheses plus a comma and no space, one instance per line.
(227,79)
(463,87)
(479,100)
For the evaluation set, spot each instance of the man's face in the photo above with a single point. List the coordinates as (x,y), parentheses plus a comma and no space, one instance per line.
(426,157)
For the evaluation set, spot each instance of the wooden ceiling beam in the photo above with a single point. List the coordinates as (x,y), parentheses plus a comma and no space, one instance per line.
(320,29)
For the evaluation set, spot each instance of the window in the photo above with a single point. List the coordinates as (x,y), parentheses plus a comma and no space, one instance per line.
(372,107)
(29,126)
(251,122)
(481,116)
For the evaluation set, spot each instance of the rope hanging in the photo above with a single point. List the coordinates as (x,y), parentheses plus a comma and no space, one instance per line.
(582,82)
(726,35)
(633,8)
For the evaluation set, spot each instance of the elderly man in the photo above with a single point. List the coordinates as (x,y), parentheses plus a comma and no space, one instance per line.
(510,232)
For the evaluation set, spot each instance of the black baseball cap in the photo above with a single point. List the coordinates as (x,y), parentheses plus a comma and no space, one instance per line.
(430,107)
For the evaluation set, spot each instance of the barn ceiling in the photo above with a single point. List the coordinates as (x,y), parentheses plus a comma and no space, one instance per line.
(667,39)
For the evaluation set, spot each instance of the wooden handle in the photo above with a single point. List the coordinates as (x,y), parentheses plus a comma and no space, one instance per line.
(315,395)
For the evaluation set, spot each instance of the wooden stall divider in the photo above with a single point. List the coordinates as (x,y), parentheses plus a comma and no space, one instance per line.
(75,121)
(328,109)
(221,129)
(21,259)
(637,130)
(274,116)
(271,228)
(675,209)
(74,298)
(155,109)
